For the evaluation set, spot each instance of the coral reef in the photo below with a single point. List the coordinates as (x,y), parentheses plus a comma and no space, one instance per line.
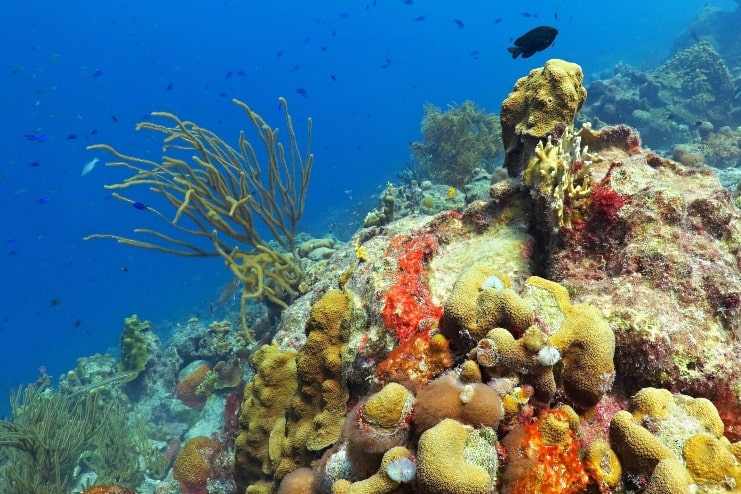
(134,346)
(676,439)
(193,466)
(446,464)
(262,418)
(682,100)
(539,104)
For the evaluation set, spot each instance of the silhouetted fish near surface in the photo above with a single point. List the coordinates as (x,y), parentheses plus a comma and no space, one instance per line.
(228,292)
(533,41)
(459,23)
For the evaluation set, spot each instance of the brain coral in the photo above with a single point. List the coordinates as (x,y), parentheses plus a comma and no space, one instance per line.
(192,467)
(187,388)
(545,99)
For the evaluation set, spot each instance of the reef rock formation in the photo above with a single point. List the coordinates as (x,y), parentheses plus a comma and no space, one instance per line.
(427,314)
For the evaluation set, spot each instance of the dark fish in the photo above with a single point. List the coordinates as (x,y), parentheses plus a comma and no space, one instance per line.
(533,41)
(345,14)
(78,323)
(93,132)
(409,2)
(228,75)
(114,118)
(279,53)
(420,18)
(241,73)
(55,301)
(527,14)
(302,91)
(228,292)
(124,269)
(140,206)
(71,137)
(323,48)
(170,86)
(98,73)
(334,78)
(37,137)
(459,23)
(698,123)
(35,164)
(223,94)
(42,200)
(555,15)
(498,20)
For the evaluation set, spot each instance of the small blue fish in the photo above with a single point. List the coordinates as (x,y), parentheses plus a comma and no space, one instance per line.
(334,78)
(72,137)
(228,75)
(140,206)
(279,53)
(302,91)
(97,73)
(241,73)
(37,137)
(170,86)
(42,200)
(420,18)
(345,15)
(498,20)
(409,2)
(35,164)
(459,23)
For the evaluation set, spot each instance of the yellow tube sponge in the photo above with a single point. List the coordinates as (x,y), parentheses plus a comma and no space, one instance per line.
(442,464)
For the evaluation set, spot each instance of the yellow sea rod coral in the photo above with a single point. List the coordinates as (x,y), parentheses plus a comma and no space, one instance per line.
(443,467)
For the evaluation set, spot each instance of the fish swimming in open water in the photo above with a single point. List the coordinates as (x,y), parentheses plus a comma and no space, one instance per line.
(228,292)
(533,41)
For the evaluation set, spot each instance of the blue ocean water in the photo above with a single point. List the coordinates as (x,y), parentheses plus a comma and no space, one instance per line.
(83,72)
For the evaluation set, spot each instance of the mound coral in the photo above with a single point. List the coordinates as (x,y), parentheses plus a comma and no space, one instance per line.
(453,458)
(262,418)
(387,479)
(546,99)
(476,305)
(671,438)
(108,489)
(377,424)
(193,466)
(474,404)
(316,413)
